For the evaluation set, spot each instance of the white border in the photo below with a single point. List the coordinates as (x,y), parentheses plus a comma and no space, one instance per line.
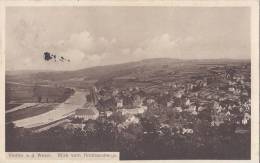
(253,4)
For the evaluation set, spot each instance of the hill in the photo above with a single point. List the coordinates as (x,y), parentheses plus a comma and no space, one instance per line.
(142,70)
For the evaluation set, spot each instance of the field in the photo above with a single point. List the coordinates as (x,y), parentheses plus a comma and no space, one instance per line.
(19,93)
(25,100)
(30,111)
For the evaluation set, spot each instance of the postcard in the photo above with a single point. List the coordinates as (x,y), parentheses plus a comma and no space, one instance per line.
(130,80)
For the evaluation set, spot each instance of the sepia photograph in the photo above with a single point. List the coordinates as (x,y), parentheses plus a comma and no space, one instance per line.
(148,82)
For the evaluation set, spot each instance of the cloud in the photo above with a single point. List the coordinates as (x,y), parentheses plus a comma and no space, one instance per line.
(86,43)
(75,55)
(82,41)
(160,46)
(86,50)
(101,50)
(157,47)
(83,49)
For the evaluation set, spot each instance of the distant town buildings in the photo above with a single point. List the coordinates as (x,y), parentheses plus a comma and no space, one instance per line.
(218,97)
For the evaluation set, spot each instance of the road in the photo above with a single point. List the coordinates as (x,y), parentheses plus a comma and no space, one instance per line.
(23,106)
(77,100)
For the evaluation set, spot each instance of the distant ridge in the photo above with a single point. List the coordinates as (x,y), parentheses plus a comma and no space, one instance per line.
(131,62)
(145,67)
(149,60)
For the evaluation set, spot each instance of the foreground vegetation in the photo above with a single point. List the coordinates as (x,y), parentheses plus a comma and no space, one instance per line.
(206,143)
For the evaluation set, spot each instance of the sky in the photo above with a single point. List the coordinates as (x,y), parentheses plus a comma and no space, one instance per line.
(95,36)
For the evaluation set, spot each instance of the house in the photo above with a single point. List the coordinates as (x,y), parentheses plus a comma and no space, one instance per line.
(205,83)
(246,118)
(178,109)
(190,86)
(138,110)
(191,108)
(218,119)
(179,94)
(150,101)
(120,127)
(231,89)
(163,125)
(170,103)
(237,91)
(201,108)
(217,107)
(137,101)
(86,114)
(130,89)
(187,102)
(131,119)
(245,93)
(231,83)
(187,131)
(115,92)
(108,113)
(119,103)
(228,113)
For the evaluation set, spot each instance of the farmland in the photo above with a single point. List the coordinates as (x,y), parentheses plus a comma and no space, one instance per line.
(24,100)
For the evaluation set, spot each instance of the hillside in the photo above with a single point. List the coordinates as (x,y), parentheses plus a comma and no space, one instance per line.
(142,70)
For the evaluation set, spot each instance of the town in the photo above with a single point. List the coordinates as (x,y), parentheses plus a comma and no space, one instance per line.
(167,114)
(220,99)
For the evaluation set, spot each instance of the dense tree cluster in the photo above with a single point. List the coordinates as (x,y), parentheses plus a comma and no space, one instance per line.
(138,141)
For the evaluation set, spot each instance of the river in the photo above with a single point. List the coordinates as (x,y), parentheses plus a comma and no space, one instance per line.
(75,101)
